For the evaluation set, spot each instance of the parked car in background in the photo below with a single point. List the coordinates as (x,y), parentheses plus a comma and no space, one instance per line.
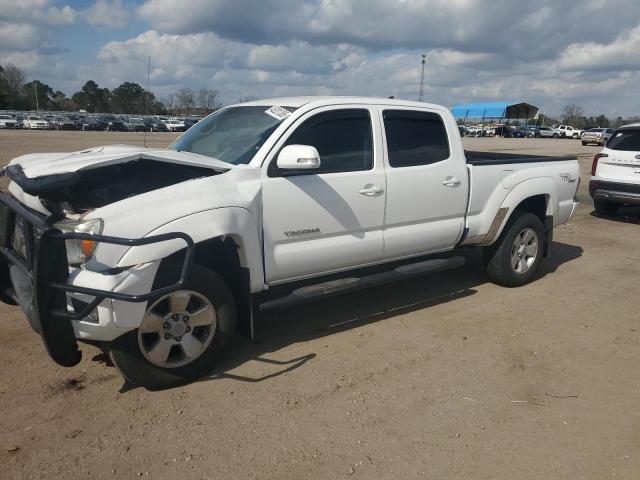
(549,132)
(519,133)
(175,125)
(505,131)
(19,121)
(155,124)
(109,123)
(533,131)
(63,123)
(7,121)
(567,131)
(615,172)
(525,132)
(599,136)
(35,122)
(90,124)
(189,122)
(136,125)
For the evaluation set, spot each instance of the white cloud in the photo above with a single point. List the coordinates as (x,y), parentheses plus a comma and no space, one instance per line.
(36,11)
(106,13)
(546,52)
(623,53)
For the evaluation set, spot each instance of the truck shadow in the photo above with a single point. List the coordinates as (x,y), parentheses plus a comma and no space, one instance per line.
(623,215)
(322,318)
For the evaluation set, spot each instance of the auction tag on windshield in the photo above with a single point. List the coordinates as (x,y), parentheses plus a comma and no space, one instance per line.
(278,113)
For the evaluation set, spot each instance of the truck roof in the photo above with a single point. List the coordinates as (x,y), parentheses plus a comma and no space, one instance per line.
(297,102)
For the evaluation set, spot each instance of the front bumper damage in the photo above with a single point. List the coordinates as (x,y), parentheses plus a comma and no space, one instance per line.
(38,278)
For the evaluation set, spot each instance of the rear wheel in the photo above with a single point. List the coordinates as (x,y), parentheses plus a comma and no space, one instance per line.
(584,143)
(515,257)
(179,336)
(605,208)
(555,135)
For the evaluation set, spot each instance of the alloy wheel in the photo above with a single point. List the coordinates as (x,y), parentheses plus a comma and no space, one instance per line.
(524,251)
(177,328)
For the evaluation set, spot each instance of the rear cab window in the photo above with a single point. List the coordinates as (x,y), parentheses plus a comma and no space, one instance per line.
(415,138)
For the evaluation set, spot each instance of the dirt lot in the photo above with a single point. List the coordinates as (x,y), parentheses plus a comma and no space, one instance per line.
(442,377)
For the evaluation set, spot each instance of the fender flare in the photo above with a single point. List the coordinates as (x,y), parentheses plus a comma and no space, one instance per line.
(521,192)
(235,222)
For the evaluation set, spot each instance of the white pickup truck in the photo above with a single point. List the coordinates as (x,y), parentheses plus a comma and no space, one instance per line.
(157,255)
(567,131)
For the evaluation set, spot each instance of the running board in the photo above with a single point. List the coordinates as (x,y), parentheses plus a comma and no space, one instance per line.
(343,285)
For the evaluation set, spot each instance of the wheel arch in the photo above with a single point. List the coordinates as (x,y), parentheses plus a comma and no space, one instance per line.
(536,196)
(227,242)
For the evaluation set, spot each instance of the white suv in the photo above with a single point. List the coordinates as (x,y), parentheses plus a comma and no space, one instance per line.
(615,173)
(549,132)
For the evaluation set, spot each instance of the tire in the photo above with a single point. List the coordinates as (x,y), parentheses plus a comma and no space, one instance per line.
(500,256)
(584,143)
(605,208)
(555,135)
(126,351)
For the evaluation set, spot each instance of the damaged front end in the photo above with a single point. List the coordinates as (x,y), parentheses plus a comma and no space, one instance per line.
(80,191)
(35,264)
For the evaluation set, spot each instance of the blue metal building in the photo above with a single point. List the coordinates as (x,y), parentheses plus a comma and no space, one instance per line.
(494,111)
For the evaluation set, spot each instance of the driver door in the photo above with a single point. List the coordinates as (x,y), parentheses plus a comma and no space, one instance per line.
(329,219)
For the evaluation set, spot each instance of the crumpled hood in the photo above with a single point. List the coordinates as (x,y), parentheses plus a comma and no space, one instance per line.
(44,164)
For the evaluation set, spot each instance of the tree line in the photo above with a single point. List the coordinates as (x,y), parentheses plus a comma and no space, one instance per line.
(18,94)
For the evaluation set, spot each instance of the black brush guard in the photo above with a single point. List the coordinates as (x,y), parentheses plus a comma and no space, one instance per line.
(45,263)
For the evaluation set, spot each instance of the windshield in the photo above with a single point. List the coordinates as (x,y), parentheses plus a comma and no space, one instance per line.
(625,140)
(232,135)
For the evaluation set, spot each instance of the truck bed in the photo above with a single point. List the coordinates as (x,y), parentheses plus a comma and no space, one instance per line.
(502,158)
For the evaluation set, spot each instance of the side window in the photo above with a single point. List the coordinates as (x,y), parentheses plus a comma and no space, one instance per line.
(343,139)
(415,138)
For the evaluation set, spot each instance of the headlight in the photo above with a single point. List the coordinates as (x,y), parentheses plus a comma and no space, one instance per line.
(79,251)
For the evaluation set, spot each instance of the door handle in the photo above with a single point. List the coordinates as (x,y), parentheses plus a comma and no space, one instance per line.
(451,182)
(371,190)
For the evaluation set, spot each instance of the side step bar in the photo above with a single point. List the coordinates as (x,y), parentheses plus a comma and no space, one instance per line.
(342,285)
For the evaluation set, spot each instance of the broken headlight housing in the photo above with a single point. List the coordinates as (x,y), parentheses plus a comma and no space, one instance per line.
(79,251)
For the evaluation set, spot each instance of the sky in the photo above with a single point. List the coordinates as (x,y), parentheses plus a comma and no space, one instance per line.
(548,53)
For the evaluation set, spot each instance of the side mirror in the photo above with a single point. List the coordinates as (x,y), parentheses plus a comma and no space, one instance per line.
(298,157)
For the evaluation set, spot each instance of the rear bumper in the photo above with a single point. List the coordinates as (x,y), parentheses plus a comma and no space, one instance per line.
(58,300)
(622,193)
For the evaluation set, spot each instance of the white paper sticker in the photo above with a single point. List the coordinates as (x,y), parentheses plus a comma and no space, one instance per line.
(278,112)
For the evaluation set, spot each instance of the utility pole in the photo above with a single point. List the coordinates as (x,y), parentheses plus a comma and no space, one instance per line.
(421,93)
(146,105)
(35,86)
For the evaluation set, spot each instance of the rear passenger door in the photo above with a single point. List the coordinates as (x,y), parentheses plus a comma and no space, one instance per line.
(427,183)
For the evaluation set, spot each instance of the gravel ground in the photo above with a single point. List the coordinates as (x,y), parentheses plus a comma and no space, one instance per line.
(438,377)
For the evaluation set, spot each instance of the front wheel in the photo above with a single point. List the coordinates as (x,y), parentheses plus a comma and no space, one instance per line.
(180,335)
(515,257)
